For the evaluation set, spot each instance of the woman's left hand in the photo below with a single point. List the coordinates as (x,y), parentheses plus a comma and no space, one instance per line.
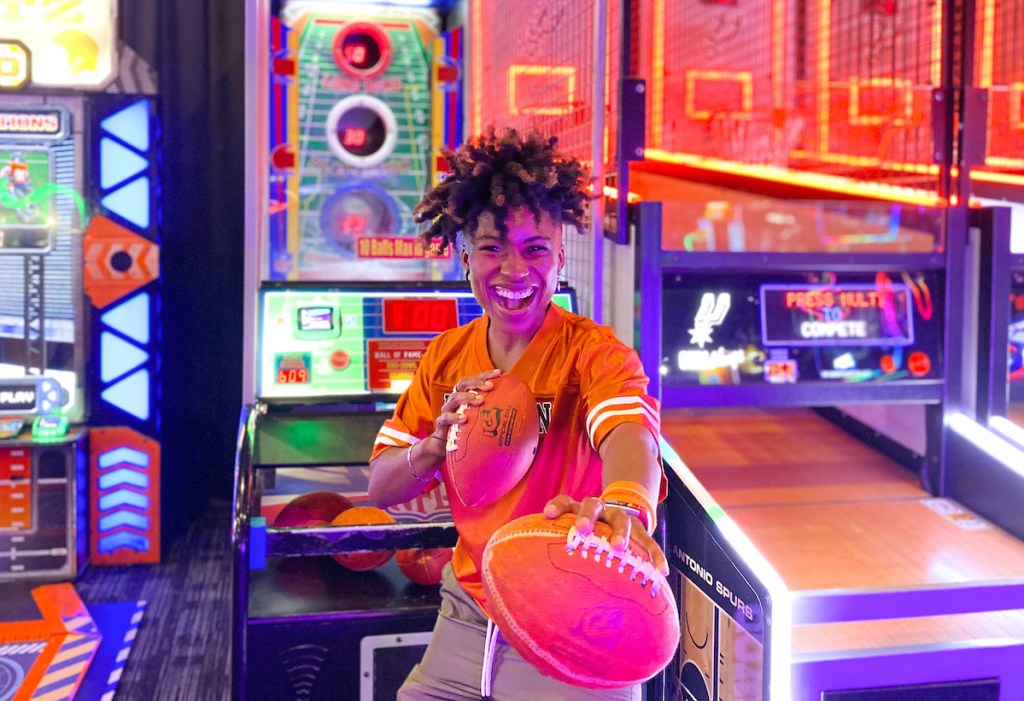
(623,525)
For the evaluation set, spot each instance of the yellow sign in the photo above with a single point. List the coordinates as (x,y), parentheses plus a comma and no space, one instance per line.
(71,42)
(14,64)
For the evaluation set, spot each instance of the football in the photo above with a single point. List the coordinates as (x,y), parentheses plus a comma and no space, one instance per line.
(577,611)
(363,516)
(494,449)
(311,509)
(423,566)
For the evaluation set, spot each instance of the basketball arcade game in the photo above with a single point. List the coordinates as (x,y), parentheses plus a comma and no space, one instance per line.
(352,102)
(78,157)
(800,516)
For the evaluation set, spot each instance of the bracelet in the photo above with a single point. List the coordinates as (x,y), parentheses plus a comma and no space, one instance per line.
(632,495)
(408,461)
(631,509)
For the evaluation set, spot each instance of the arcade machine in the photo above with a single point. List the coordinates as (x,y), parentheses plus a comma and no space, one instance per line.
(79,269)
(808,347)
(79,264)
(352,102)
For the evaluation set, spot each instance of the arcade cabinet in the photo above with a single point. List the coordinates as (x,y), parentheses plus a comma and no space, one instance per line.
(79,365)
(351,103)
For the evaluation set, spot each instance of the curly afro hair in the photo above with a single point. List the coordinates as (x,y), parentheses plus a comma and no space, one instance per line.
(500,172)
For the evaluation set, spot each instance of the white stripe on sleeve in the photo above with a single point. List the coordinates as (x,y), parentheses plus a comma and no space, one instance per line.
(389,436)
(596,415)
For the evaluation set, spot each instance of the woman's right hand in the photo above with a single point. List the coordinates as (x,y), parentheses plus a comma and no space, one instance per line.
(468,390)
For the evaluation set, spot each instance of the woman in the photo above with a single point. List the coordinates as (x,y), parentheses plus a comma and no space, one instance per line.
(505,204)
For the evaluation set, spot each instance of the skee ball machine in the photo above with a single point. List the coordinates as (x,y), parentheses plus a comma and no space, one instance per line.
(350,104)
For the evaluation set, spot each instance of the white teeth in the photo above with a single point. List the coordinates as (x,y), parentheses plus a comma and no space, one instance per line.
(513,294)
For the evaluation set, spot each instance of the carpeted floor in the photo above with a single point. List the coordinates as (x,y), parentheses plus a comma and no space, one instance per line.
(182,652)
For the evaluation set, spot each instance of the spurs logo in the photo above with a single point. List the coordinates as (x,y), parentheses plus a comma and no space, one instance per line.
(711,313)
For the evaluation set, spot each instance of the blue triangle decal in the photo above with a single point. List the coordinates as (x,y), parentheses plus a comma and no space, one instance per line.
(118,357)
(130,125)
(118,163)
(130,394)
(131,318)
(131,202)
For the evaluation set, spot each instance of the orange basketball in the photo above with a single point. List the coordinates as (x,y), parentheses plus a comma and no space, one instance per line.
(424,566)
(363,516)
(312,509)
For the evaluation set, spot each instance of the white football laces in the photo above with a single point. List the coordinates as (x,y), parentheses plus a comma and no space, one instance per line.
(453,430)
(593,546)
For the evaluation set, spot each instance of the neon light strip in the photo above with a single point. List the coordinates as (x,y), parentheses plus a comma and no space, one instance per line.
(869,161)
(658,75)
(1016,109)
(476,11)
(988,442)
(936,46)
(817,181)
(1003,178)
(778,19)
(825,30)
(1008,429)
(781,627)
(988,42)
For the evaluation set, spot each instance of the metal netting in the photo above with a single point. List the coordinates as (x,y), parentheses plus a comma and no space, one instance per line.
(839,87)
(534,65)
(999,68)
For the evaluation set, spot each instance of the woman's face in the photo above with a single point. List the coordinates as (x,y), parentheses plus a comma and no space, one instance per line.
(514,276)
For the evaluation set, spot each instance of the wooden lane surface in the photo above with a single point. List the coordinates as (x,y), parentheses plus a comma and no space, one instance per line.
(830,513)
(749,457)
(928,630)
(870,544)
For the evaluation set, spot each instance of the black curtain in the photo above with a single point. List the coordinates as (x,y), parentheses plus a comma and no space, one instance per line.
(197,48)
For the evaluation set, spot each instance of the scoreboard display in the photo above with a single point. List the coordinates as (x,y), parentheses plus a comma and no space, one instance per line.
(328,343)
(743,329)
(350,144)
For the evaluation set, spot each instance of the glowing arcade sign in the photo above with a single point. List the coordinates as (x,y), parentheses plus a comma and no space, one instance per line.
(71,42)
(15,65)
(34,124)
(838,315)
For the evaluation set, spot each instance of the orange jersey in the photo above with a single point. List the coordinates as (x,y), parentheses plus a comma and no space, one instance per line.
(586,382)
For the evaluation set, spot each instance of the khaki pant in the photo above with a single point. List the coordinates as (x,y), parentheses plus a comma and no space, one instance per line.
(452,664)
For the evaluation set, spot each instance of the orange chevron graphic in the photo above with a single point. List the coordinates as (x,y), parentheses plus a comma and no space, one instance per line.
(116,261)
(71,638)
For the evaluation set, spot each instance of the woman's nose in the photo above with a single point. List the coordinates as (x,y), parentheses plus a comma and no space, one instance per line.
(513,265)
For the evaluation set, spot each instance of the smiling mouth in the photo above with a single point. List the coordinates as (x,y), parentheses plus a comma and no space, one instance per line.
(514,300)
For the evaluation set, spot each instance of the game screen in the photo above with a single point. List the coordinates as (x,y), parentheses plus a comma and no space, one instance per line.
(351,145)
(319,342)
(789,327)
(41,216)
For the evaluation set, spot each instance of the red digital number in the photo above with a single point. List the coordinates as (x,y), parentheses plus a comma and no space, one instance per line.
(356,55)
(353,137)
(419,316)
(353,224)
(292,376)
